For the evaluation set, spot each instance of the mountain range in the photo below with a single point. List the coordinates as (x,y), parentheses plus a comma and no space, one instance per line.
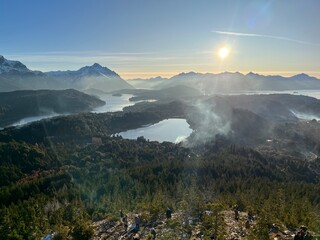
(209,83)
(14,75)
(91,77)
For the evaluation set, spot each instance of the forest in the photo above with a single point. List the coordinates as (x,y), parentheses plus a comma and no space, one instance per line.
(60,175)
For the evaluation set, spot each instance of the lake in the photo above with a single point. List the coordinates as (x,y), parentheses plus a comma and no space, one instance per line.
(114,103)
(117,103)
(170,130)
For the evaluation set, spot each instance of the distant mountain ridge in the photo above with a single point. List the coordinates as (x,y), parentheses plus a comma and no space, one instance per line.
(150,83)
(8,66)
(96,70)
(209,83)
(91,77)
(16,76)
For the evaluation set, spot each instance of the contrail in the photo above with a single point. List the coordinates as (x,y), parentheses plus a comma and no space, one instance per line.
(265,36)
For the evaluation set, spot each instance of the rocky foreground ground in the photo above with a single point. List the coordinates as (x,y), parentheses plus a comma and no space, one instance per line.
(183,227)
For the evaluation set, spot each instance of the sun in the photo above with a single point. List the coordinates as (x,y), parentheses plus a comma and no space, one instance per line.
(224,52)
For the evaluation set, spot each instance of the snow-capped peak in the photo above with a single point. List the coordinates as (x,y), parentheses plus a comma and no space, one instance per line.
(96,69)
(7,66)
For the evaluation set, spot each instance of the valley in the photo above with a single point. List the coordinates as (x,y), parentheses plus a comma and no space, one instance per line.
(68,172)
(104,149)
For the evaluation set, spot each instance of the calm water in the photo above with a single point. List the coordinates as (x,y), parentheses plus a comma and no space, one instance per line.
(170,130)
(114,103)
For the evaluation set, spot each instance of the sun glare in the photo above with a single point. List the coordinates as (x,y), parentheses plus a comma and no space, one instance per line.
(224,52)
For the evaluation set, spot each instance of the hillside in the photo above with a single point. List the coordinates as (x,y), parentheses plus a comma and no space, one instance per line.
(70,176)
(183,226)
(21,104)
(70,186)
(180,92)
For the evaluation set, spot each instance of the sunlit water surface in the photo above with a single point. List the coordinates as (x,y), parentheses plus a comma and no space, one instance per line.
(114,103)
(169,130)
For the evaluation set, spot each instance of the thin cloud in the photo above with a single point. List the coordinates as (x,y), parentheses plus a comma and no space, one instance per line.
(264,36)
(85,57)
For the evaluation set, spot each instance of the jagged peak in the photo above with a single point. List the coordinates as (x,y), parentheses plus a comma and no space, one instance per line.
(96,69)
(97,65)
(7,66)
(158,78)
(2,59)
(93,70)
(186,74)
(232,73)
(252,74)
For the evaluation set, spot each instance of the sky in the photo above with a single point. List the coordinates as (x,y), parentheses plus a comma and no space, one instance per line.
(149,38)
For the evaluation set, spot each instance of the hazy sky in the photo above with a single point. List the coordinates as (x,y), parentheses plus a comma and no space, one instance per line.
(163,37)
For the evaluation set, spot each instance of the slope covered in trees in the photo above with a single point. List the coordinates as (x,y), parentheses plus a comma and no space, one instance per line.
(61,174)
(17,105)
(93,181)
